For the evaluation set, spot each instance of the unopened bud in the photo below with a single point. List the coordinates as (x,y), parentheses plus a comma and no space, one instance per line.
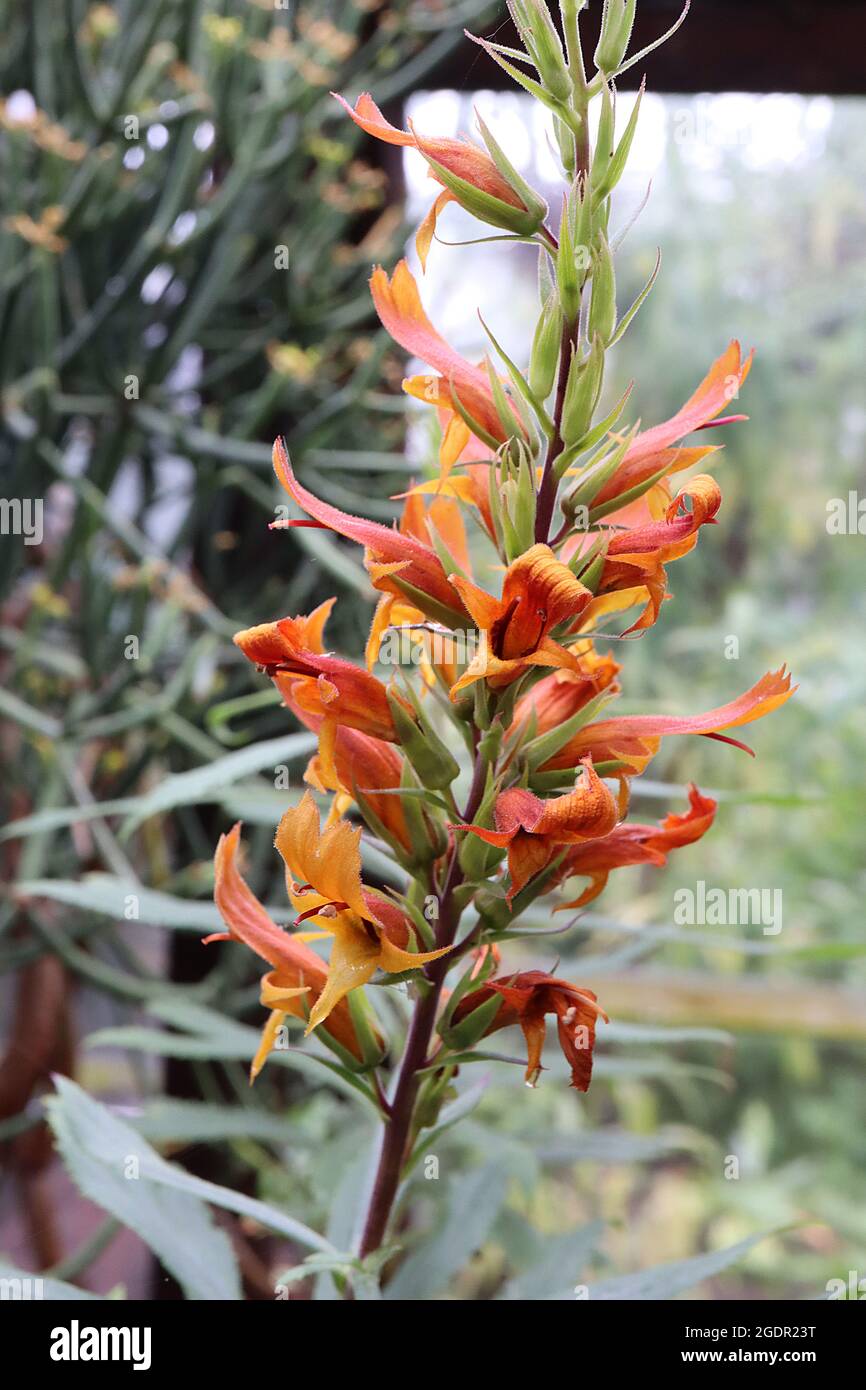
(538,32)
(616,26)
(602,311)
(545,350)
(434,764)
(582,392)
(475,1023)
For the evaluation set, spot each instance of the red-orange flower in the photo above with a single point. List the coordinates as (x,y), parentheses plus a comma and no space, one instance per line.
(562,694)
(633,740)
(538,593)
(327,688)
(633,843)
(634,566)
(526,998)
(457,157)
(650,450)
(535,830)
(390,555)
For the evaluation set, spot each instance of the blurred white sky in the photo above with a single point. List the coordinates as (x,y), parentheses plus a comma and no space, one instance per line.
(778,133)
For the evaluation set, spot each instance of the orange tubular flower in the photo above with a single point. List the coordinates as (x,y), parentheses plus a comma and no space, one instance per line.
(563,693)
(327,688)
(634,566)
(299,976)
(634,739)
(399,306)
(526,998)
(397,563)
(442,520)
(632,843)
(471,486)
(538,593)
(357,763)
(650,450)
(534,830)
(458,157)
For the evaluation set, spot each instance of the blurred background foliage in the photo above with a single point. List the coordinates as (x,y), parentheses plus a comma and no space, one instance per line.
(176,290)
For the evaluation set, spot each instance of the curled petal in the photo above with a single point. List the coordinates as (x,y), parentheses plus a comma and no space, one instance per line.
(329,862)
(633,843)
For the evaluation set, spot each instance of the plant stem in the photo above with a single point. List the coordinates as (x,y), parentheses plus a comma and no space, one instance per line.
(398,1126)
(396,1132)
(547,487)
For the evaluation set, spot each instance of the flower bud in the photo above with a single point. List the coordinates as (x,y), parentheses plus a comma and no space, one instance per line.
(471,1029)
(477,859)
(545,350)
(602,312)
(582,392)
(541,41)
(435,766)
(613,40)
(374,1050)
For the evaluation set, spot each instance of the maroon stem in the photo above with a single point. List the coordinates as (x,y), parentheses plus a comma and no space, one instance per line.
(395,1136)
(547,488)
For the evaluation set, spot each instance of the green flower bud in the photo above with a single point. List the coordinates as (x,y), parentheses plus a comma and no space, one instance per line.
(493,909)
(545,350)
(613,40)
(478,859)
(541,41)
(471,1029)
(567,277)
(435,766)
(582,392)
(373,1046)
(491,742)
(602,311)
(437,834)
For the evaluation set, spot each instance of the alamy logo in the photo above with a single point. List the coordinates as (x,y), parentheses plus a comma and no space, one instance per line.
(18,1289)
(76,1343)
(732,907)
(22,516)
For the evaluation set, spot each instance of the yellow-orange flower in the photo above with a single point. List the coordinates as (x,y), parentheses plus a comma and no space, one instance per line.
(298,977)
(440,522)
(323,878)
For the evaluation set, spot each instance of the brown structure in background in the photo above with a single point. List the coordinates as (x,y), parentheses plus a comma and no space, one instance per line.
(808,46)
